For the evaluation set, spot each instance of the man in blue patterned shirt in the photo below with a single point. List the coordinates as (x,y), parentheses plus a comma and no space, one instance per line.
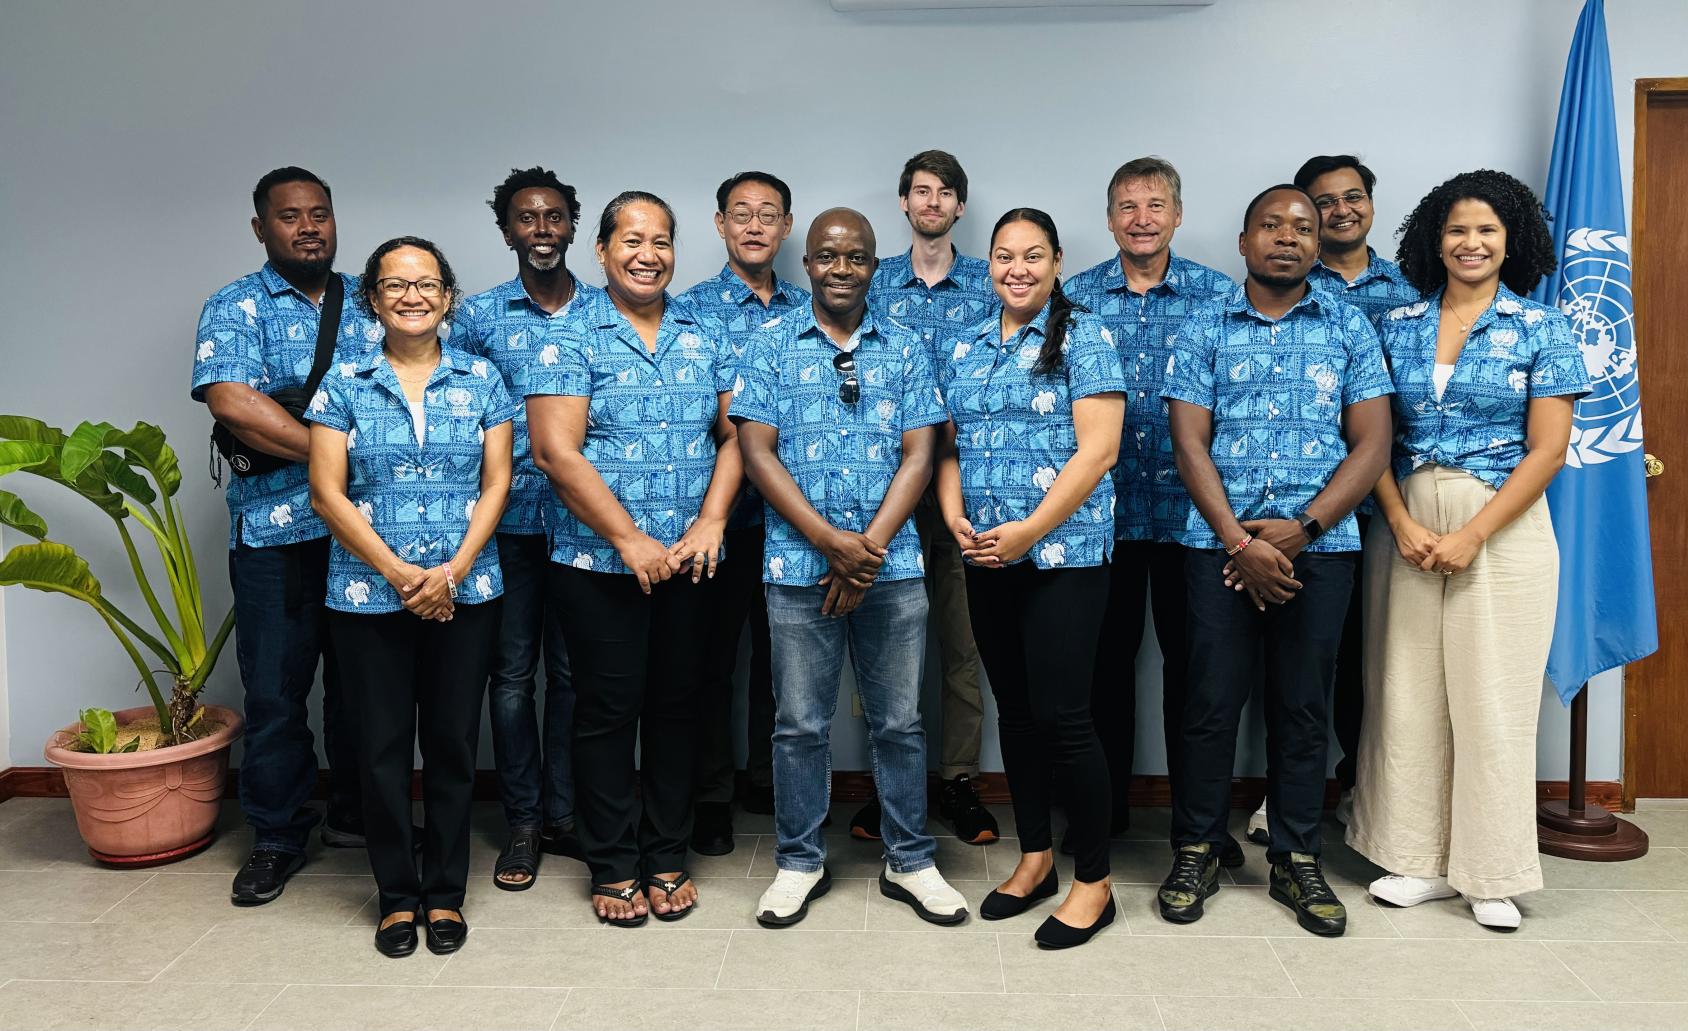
(940,293)
(836,410)
(1142,294)
(1281,424)
(753,217)
(256,336)
(537,213)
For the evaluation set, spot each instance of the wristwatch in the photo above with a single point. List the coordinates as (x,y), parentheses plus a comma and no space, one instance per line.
(1309,526)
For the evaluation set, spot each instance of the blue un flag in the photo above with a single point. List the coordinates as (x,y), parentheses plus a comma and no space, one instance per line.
(1599,502)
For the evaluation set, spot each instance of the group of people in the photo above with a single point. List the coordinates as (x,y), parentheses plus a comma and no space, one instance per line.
(1324,480)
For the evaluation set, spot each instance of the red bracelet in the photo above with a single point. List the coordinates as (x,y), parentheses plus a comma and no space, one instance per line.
(1245,542)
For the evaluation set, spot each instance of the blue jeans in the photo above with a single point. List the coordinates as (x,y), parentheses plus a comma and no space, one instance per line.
(537,782)
(280,632)
(886,635)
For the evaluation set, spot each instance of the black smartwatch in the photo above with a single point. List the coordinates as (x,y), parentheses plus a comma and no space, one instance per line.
(1309,526)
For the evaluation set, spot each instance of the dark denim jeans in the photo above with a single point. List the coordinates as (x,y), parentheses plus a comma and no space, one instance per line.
(280,633)
(536,780)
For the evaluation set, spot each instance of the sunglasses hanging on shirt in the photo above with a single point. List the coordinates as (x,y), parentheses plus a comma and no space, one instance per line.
(850,390)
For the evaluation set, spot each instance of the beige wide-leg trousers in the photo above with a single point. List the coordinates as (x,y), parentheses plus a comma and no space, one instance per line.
(1453,681)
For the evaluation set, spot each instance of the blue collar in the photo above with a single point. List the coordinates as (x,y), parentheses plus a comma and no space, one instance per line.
(1237,303)
(741,291)
(1173,280)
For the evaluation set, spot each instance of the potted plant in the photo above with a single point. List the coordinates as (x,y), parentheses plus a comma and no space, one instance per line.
(146,782)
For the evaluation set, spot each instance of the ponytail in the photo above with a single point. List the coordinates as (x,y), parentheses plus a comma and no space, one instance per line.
(1061,307)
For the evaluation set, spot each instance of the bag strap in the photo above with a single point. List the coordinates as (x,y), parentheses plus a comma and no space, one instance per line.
(328,330)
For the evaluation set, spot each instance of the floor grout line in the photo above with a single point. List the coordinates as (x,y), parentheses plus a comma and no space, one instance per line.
(1155,1001)
(1464,1015)
(150,878)
(1285,969)
(567,995)
(257,1016)
(1001,964)
(1589,988)
(722,969)
(859,995)
(1648,916)
(161,971)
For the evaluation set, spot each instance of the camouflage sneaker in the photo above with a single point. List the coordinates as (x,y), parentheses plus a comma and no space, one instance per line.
(1298,883)
(1193,880)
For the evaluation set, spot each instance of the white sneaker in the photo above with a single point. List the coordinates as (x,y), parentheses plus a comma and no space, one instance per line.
(787,899)
(1500,914)
(926,892)
(1257,830)
(1345,808)
(1401,890)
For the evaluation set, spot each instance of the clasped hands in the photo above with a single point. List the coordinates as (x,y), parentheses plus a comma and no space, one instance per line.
(853,560)
(1001,545)
(697,550)
(425,592)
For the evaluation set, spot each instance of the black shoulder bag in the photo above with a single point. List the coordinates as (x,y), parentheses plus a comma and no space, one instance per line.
(247,460)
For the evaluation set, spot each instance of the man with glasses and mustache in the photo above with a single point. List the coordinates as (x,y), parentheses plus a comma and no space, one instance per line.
(837,412)
(258,338)
(940,293)
(537,214)
(753,217)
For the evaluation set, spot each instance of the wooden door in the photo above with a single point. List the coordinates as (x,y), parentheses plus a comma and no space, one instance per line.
(1656,688)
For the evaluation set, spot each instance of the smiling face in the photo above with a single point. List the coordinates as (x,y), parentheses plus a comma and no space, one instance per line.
(932,208)
(1142,216)
(537,227)
(297,229)
(752,245)
(1473,242)
(838,255)
(408,296)
(1024,267)
(1345,208)
(1281,240)
(638,260)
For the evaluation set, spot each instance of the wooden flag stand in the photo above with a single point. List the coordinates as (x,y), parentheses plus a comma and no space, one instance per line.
(1577,828)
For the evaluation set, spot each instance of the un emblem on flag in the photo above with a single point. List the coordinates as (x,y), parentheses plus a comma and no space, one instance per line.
(1594,293)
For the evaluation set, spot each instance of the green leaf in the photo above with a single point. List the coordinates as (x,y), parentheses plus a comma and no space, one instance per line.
(50,566)
(134,745)
(146,444)
(116,470)
(22,427)
(99,730)
(17,515)
(23,454)
(84,447)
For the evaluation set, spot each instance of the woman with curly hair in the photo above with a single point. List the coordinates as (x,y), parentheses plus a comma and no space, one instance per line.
(1462,569)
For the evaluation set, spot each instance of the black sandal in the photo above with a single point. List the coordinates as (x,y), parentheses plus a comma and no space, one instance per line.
(627,895)
(669,888)
(520,855)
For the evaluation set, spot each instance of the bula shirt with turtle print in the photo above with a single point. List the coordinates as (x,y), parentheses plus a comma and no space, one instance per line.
(940,313)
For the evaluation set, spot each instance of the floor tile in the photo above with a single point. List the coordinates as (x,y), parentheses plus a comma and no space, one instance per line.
(1192,1014)
(927,1011)
(885,914)
(1341,864)
(44,837)
(89,952)
(203,899)
(1244,910)
(1664,827)
(67,895)
(1630,971)
(1575,1016)
(729,904)
(725,903)
(334,1008)
(1648,805)
(642,1009)
(1667,909)
(1659,868)
(1377,969)
(601,957)
(99,1006)
(886,961)
(1118,963)
(847,857)
(1551,915)
(253,952)
(1130,862)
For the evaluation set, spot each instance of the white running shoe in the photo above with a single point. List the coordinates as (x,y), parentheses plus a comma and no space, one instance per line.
(1401,890)
(787,899)
(1499,914)
(1257,829)
(1345,808)
(926,892)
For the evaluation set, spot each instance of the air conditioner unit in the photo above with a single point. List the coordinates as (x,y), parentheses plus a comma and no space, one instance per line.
(851,6)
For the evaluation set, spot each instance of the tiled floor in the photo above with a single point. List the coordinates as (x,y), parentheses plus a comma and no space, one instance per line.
(1606,946)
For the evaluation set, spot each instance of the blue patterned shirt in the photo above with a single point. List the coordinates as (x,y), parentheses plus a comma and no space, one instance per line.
(1014,430)
(843,457)
(738,313)
(261,331)
(418,497)
(1277,391)
(941,314)
(506,327)
(650,422)
(1152,504)
(1516,350)
(1381,288)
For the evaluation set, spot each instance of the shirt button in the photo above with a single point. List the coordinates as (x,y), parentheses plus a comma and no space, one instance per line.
(987,454)
(421,509)
(987,493)
(845,471)
(1270,496)
(1274,454)
(849,515)
(659,383)
(843,433)
(1277,368)
(671,468)
(668,514)
(664,423)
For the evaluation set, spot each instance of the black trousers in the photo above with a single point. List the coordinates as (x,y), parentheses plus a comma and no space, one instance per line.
(1348,695)
(1143,573)
(737,598)
(1234,647)
(415,682)
(1037,630)
(637,667)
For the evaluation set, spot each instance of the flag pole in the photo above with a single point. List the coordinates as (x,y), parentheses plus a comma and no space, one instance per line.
(1576,828)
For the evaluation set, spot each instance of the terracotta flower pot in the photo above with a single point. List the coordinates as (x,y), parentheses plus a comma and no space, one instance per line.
(136,808)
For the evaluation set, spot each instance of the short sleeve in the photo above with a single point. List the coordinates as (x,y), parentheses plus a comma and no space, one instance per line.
(331,406)
(469,328)
(755,380)
(1368,374)
(923,402)
(1556,369)
(726,361)
(228,348)
(500,407)
(1189,370)
(561,366)
(1091,360)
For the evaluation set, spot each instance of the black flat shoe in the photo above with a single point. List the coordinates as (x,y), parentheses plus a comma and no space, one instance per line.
(396,940)
(446,936)
(1000,906)
(1053,934)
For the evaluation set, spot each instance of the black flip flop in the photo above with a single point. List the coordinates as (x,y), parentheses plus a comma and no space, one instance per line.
(520,855)
(624,894)
(669,888)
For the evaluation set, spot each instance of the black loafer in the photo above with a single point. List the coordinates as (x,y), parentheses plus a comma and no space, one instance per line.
(1231,854)
(446,936)
(557,839)
(264,876)
(1053,934)
(998,906)
(396,940)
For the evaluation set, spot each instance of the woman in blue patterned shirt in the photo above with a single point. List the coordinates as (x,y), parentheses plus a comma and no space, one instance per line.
(1461,574)
(410,466)
(1036,400)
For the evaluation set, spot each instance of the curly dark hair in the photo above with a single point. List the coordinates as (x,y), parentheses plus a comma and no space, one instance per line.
(372,272)
(1529,244)
(533,178)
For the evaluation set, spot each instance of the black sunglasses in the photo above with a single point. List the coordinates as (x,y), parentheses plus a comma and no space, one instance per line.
(849,391)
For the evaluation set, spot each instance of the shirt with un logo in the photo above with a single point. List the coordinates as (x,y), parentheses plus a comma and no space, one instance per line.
(842,456)
(1277,390)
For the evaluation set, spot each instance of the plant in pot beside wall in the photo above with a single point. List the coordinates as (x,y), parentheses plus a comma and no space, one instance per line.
(145,782)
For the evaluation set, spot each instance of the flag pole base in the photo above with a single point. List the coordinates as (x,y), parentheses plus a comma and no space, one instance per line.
(1590,834)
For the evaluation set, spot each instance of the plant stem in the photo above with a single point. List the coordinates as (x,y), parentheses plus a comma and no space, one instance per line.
(183,658)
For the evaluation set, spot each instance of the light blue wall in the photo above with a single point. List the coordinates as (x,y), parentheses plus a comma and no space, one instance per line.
(133,133)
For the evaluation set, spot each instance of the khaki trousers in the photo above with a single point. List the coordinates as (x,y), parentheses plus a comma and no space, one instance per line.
(1453,679)
(958,656)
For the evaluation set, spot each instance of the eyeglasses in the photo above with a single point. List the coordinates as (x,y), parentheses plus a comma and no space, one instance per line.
(767,216)
(849,391)
(1353,198)
(394,288)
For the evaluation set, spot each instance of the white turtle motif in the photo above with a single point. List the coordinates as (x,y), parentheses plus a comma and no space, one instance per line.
(483,585)
(1053,554)
(1044,402)
(478,368)
(1044,478)
(207,348)
(1517,379)
(319,401)
(581,560)
(776,568)
(367,510)
(357,592)
(248,305)
(281,515)
(548,354)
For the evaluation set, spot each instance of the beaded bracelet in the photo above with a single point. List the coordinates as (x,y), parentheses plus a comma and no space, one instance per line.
(1245,542)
